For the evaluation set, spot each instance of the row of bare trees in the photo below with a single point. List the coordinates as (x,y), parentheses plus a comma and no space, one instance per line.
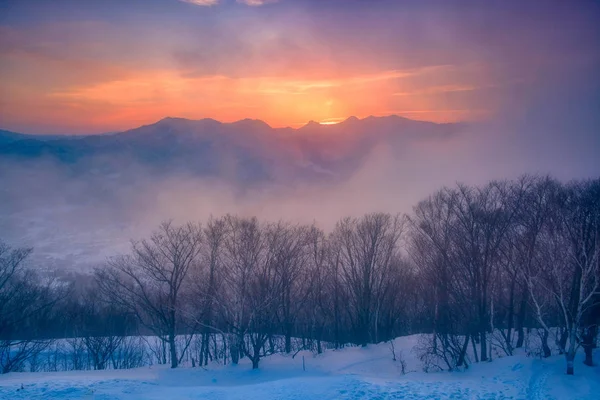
(476,267)
(250,281)
(505,256)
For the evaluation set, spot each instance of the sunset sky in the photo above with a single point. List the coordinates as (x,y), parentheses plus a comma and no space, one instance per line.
(90,66)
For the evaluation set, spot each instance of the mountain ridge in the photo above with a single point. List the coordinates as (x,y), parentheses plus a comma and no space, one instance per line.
(244,152)
(212,121)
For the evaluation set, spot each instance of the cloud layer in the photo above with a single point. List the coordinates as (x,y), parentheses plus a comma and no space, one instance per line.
(253,3)
(100,66)
(202,2)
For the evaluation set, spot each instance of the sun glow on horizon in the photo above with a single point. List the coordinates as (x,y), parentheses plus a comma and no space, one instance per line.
(98,66)
(331,121)
(146,96)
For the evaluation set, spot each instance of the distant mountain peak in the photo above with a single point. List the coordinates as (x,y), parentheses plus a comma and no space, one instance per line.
(312,124)
(350,120)
(391,117)
(167,119)
(185,120)
(248,122)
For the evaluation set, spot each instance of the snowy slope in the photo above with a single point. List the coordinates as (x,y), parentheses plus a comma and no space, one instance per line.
(351,373)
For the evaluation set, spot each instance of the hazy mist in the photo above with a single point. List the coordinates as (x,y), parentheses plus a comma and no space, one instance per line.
(77,220)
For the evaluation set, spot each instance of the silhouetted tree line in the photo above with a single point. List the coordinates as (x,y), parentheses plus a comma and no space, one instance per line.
(475,267)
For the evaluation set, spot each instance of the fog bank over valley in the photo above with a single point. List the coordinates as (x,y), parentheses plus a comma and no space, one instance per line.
(79,200)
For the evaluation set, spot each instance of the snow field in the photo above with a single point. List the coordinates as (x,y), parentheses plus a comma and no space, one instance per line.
(350,373)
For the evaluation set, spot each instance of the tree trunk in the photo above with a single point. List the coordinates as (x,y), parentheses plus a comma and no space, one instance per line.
(463,353)
(562,343)
(521,319)
(570,361)
(205,348)
(225,349)
(545,347)
(483,346)
(520,337)
(234,349)
(255,358)
(475,355)
(589,359)
(288,338)
(201,355)
(362,330)
(271,344)
(173,350)
(589,340)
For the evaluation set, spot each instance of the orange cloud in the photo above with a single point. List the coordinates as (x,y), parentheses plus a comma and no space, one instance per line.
(253,3)
(201,2)
(148,95)
(278,101)
(256,2)
(439,89)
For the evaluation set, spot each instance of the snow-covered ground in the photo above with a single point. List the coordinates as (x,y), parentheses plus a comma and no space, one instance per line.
(351,373)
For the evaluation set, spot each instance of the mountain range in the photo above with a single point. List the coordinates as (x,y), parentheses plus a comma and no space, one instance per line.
(245,152)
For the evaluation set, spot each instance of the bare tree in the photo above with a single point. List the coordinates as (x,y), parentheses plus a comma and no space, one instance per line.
(533,212)
(251,287)
(101,327)
(483,217)
(26,305)
(208,282)
(264,291)
(457,241)
(566,276)
(368,250)
(150,281)
(319,305)
(244,255)
(432,248)
(288,246)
